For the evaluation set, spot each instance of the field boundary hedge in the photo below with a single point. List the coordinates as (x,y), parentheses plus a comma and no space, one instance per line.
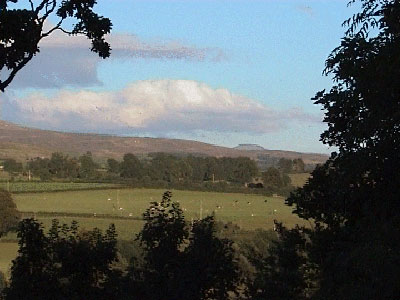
(53,187)
(45,214)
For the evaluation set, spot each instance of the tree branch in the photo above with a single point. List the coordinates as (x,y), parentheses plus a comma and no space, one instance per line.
(5,83)
(40,7)
(32,7)
(58,26)
(48,11)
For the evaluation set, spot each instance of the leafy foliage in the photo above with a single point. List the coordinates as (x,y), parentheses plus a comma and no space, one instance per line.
(161,237)
(87,166)
(12,166)
(64,264)
(211,268)
(281,273)
(130,167)
(22,30)
(62,166)
(354,197)
(274,180)
(173,267)
(9,216)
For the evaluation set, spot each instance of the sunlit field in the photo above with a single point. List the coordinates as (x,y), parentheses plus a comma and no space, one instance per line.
(248,211)
(124,208)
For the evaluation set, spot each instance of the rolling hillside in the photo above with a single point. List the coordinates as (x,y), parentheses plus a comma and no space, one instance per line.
(23,143)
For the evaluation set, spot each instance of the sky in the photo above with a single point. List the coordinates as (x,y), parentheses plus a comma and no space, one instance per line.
(222,72)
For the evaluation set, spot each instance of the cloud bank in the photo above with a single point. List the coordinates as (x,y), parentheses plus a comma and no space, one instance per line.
(159,107)
(67,60)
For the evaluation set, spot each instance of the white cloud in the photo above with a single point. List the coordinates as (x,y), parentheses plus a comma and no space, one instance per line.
(153,106)
(67,60)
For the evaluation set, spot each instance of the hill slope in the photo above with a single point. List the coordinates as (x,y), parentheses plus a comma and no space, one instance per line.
(22,143)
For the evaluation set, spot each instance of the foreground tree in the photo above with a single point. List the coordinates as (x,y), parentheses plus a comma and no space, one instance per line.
(65,264)
(9,216)
(281,273)
(181,262)
(354,197)
(23,29)
(211,268)
(162,235)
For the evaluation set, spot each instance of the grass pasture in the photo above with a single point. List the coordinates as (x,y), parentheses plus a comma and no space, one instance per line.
(18,187)
(248,211)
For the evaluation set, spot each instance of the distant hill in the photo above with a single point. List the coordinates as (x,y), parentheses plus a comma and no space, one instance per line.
(23,143)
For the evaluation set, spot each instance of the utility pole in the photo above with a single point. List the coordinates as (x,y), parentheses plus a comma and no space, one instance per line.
(118,206)
(201,209)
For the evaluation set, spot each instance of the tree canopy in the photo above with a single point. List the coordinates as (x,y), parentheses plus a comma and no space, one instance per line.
(66,263)
(9,216)
(180,261)
(22,29)
(354,197)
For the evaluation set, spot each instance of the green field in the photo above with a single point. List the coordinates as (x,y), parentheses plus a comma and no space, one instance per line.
(246,210)
(36,186)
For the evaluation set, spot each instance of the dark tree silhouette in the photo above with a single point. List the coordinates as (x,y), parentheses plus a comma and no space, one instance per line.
(64,264)
(22,30)
(210,269)
(354,197)
(280,275)
(9,216)
(161,238)
(181,262)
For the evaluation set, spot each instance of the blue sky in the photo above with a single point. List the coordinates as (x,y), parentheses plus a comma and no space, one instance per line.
(223,72)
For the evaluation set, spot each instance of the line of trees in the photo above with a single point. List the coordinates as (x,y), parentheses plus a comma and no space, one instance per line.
(170,168)
(63,166)
(166,171)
